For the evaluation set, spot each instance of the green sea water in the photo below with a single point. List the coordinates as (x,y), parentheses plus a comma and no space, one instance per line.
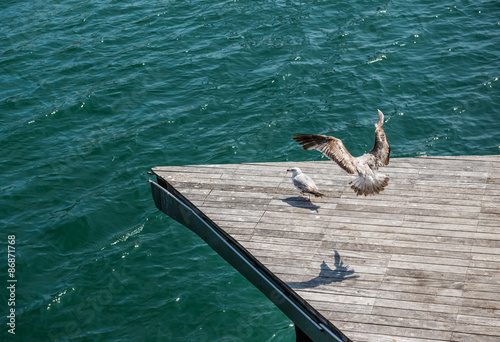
(95,93)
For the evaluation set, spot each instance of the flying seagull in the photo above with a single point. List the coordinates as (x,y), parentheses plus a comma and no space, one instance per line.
(304,183)
(369,181)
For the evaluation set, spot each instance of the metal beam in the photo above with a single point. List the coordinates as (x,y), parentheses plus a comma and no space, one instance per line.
(307,319)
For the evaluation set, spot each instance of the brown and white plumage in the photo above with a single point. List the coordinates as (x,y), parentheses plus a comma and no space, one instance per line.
(369,181)
(304,183)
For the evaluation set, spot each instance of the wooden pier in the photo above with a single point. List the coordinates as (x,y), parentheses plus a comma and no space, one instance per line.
(418,262)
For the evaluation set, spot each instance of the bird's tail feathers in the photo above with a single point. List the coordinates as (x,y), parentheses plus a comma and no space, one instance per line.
(369,185)
(318,194)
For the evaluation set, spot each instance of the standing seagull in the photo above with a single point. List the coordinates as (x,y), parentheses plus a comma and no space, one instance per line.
(304,183)
(369,181)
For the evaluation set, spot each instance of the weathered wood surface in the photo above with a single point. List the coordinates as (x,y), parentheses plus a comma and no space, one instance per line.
(418,262)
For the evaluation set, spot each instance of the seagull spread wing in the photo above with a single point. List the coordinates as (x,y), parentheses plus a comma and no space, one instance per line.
(381,150)
(331,147)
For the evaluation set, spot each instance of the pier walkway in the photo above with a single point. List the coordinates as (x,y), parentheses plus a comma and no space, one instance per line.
(419,262)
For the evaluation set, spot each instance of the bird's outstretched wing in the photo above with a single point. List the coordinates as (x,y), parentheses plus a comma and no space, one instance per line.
(331,147)
(381,150)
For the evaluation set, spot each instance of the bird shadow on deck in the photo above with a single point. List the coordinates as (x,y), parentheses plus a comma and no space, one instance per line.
(301,202)
(327,275)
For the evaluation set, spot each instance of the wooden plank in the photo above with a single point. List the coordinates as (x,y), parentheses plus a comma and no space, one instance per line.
(418,262)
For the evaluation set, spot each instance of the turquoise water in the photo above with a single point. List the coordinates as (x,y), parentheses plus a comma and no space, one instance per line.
(95,93)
